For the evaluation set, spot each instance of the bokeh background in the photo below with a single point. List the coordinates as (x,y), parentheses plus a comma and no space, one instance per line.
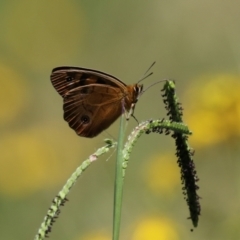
(194,42)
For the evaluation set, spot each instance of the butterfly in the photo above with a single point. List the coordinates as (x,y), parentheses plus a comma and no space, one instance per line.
(93,100)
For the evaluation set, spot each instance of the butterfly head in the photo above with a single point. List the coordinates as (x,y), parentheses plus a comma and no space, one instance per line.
(138,89)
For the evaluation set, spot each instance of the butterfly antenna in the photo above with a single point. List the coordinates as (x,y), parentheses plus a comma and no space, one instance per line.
(164,80)
(150,67)
(146,76)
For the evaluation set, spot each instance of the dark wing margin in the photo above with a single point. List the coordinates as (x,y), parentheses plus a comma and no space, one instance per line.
(65,79)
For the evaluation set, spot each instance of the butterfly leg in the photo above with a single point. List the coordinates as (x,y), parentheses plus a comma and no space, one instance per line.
(126,113)
(131,113)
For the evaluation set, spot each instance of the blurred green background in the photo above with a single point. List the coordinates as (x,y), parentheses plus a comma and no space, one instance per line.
(194,42)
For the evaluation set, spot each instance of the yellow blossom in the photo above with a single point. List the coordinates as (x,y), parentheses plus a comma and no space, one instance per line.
(35,158)
(162,174)
(212,109)
(155,229)
(14,95)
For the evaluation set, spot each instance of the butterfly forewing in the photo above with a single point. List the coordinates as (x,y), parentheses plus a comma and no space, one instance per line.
(65,79)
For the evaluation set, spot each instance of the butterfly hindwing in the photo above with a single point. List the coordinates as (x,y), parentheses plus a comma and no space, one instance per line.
(91,113)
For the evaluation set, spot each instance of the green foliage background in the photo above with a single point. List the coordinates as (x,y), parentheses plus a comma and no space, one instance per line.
(196,43)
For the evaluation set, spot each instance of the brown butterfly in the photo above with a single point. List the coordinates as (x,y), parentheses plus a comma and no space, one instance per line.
(93,100)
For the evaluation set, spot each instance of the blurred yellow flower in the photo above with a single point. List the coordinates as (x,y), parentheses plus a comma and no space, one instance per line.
(155,229)
(212,109)
(36,158)
(162,174)
(14,95)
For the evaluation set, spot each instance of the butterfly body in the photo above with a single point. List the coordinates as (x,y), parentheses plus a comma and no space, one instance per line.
(93,100)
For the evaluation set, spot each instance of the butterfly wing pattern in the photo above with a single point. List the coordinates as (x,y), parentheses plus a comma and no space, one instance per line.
(93,100)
